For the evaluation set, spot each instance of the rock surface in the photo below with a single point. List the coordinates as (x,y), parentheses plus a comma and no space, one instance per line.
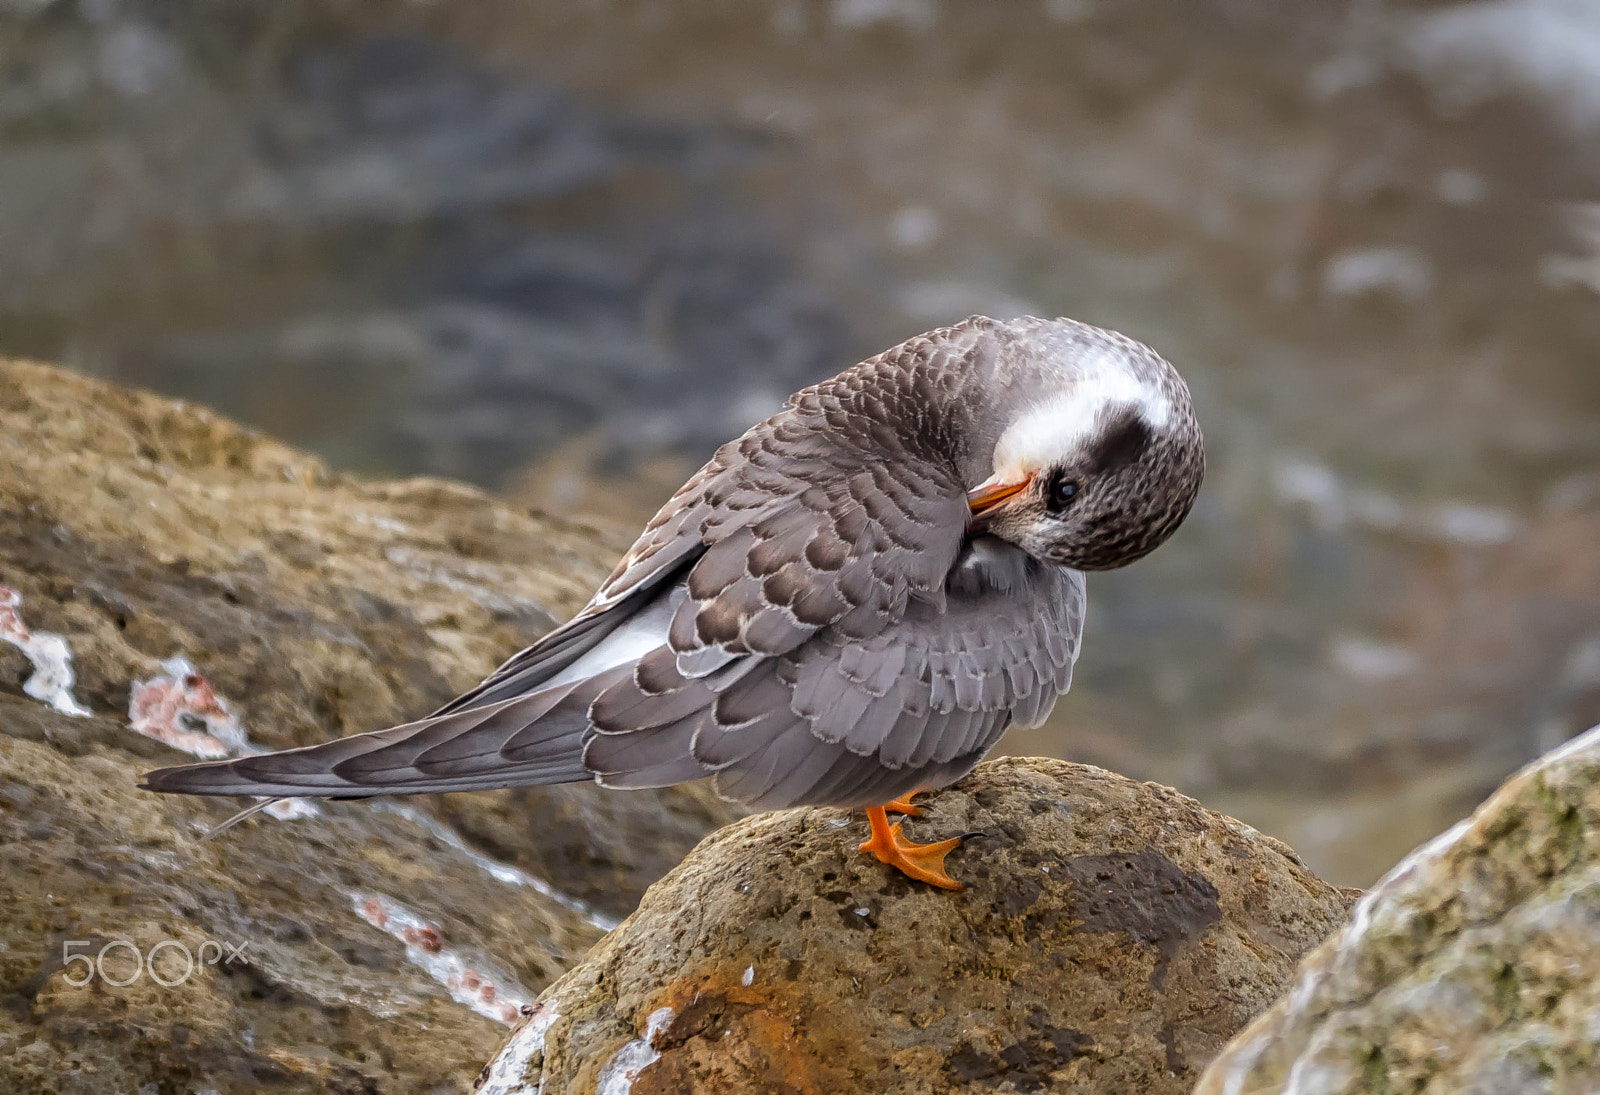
(1113,936)
(1473,968)
(383,944)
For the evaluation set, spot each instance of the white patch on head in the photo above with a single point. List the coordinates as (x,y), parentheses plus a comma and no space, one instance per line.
(1052,430)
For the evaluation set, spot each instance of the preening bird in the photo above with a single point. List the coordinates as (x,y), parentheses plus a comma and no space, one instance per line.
(847,605)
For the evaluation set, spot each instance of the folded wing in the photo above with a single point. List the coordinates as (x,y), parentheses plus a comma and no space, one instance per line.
(849,722)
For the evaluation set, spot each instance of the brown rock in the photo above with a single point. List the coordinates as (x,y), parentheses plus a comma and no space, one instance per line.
(1473,968)
(1113,936)
(383,947)
(600,847)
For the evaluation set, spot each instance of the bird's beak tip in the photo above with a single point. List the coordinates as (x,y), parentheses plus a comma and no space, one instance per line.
(991,492)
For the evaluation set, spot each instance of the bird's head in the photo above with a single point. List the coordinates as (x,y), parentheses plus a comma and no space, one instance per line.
(1100,465)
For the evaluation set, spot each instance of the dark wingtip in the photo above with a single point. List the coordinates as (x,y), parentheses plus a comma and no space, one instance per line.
(155,779)
(214,778)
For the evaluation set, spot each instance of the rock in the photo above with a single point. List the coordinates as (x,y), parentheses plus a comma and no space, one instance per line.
(1473,968)
(234,593)
(1113,936)
(602,848)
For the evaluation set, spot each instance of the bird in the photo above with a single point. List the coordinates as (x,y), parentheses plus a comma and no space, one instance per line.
(846,606)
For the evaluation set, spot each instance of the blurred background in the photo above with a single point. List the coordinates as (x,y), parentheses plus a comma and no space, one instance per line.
(565,249)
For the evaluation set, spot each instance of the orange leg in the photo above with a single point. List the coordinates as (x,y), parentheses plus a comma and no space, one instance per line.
(904,805)
(924,862)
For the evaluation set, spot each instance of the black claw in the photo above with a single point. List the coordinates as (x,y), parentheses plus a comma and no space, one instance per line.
(972,836)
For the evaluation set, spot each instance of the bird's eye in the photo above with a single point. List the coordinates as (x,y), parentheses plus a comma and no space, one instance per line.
(1062,492)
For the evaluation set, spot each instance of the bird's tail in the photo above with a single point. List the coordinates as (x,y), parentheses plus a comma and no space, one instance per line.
(532,739)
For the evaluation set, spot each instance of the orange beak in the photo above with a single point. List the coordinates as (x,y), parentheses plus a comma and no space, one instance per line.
(990,493)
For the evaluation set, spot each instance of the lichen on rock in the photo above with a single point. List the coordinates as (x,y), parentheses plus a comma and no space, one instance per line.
(51,658)
(1113,936)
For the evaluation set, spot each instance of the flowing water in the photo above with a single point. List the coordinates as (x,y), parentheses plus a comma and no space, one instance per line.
(565,249)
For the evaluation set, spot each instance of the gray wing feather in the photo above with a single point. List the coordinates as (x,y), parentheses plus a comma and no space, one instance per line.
(659,757)
(528,740)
